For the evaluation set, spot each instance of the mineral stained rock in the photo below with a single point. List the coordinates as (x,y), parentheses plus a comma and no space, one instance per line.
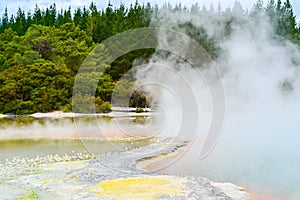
(116,176)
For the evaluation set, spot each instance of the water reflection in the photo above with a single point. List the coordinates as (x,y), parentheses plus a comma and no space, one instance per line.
(28,137)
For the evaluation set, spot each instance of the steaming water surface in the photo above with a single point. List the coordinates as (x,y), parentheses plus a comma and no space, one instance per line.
(259,148)
(26,137)
(260,162)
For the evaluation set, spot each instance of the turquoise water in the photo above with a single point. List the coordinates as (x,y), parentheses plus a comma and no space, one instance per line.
(265,164)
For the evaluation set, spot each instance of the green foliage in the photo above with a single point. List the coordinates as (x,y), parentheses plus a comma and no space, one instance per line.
(283,18)
(39,87)
(3,63)
(140,100)
(139,110)
(41,52)
(85,103)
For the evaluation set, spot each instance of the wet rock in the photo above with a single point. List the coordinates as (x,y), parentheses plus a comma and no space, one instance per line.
(116,177)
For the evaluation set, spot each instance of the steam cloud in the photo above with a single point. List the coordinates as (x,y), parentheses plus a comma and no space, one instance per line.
(259,147)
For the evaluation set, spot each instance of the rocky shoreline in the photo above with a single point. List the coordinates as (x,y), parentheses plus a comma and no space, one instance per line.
(117,176)
(115,112)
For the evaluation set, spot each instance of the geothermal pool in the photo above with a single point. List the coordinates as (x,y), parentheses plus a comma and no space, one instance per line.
(28,137)
(264,172)
(31,148)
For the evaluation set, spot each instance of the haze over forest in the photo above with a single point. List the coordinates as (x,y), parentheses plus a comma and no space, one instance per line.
(42,51)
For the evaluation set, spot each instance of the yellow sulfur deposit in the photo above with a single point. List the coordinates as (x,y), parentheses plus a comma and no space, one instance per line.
(148,187)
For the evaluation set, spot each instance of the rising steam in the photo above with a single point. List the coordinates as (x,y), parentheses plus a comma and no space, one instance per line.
(259,146)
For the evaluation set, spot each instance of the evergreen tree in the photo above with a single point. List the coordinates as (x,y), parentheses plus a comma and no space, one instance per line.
(271,10)
(11,23)
(219,8)
(60,19)
(237,8)
(67,17)
(47,18)
(28,20)
(53,14)
(286,20)
(20,22)
(289,19)
(120,20)
(94,17)
(37,16)
(5,21)
(77,16)
(258,8)
(40,53)
(85,22)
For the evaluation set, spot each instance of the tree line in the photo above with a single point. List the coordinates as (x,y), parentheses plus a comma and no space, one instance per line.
(41,52)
